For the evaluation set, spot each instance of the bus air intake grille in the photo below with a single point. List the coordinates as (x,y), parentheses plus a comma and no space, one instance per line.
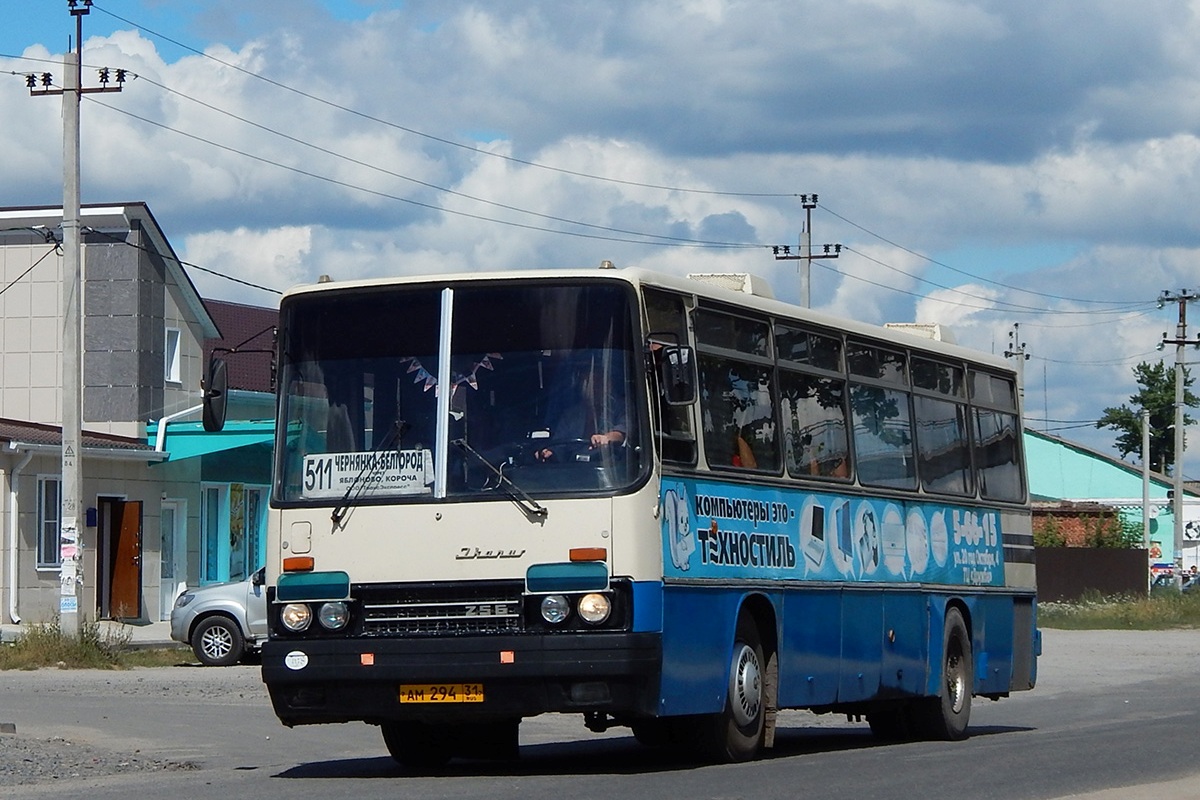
(425,610)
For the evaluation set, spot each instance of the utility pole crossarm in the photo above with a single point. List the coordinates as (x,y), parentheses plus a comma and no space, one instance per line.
(783,252)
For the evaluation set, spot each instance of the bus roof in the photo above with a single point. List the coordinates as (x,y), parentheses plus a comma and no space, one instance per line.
(637,276)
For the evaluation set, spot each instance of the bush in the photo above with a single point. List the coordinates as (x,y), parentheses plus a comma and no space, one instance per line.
(1049,534)
(47,645)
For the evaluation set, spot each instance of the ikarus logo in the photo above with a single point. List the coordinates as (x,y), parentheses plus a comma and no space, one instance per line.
(471,553)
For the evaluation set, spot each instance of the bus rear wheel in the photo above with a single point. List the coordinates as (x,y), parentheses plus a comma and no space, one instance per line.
(736,734)
(947,715)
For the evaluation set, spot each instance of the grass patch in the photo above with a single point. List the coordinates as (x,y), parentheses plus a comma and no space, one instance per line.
(1162,610)
(47,645)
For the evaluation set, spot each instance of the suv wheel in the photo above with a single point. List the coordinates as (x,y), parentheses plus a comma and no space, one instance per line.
(217,642)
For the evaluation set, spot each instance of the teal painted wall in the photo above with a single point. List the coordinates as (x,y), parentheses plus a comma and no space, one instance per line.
(1061,472)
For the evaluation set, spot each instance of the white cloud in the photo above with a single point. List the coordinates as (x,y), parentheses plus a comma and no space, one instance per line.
(991,127)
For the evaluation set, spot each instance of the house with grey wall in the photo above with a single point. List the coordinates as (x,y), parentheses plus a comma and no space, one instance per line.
(144,329)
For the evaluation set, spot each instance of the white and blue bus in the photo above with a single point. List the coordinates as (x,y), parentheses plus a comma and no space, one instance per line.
(651,501)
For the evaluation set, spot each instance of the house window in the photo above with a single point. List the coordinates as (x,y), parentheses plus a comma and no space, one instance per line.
(49,504)
(232,525)
(214,533)
(171,368)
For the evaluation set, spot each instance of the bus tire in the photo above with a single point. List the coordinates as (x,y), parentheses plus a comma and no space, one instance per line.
(890,721)
(416,746)
(736,733)
(946,716)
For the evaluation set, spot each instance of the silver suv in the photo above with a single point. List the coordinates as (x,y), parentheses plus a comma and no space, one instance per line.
(222,622)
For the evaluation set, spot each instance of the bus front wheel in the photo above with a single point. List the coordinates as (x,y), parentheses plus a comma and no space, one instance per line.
(946,716)
(736,733)
(415,746)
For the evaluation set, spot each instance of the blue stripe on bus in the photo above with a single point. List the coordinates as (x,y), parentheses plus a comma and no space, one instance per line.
(837,644)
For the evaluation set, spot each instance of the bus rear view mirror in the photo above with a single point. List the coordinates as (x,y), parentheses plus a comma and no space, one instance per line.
(677,373)
(215,395)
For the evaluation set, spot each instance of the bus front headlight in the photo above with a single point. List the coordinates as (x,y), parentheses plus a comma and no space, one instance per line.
(555,608)
(296,617)
(594,608)
(333,616)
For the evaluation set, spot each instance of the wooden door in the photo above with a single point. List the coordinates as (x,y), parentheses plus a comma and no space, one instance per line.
(125,592)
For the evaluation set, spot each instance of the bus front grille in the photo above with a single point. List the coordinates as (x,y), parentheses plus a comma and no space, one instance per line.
(438,610)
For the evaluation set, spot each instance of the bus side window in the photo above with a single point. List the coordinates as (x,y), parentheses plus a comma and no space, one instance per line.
(738,407)
(666,314)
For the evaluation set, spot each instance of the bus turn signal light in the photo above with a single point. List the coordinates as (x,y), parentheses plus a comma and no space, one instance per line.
(298,564)
(589,553)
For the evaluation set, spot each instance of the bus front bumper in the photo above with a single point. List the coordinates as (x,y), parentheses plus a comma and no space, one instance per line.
(341,680)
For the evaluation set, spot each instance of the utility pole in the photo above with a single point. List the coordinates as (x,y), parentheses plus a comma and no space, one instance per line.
(1146,493)
(783,252)
(1016,349)
(71,611)
(1180,341)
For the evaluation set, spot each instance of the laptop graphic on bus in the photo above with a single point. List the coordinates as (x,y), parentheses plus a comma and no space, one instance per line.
(814,545)
(842,518)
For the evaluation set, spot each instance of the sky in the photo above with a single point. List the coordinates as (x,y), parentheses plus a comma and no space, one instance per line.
(983,164)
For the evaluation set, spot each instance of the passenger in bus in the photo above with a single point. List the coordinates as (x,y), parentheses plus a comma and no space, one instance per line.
(579,410)
(743,454)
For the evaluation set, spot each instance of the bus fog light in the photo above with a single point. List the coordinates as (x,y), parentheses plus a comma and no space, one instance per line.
(333,616)
(555,608)
(296,617)
(594,608)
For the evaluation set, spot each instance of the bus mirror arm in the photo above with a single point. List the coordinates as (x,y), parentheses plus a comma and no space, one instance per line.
(533,510)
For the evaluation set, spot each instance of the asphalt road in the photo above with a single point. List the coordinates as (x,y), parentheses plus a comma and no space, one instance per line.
(1114,717)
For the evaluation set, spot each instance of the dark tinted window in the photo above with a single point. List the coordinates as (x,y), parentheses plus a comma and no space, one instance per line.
(816,441)
(738,411)
(943,446)
(806,347)
(730,332)
(883,443)
(877,363)
(998,456)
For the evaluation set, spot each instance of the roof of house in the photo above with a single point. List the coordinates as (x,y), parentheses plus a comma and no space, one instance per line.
(247,344)
(21,435)
(1063,470)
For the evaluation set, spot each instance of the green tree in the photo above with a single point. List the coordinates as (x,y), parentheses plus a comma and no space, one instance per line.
(1157,394)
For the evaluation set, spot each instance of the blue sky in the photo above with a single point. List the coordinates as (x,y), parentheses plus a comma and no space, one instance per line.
(983,162)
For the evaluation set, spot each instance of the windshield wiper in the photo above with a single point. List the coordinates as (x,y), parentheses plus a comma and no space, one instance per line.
(532,509)
(395,434)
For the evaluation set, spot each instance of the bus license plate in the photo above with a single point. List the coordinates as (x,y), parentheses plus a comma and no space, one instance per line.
(441,693)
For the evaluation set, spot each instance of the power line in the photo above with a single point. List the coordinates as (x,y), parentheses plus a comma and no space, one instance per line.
(181,262)
(446,190)
(972,276)
(432,137)
(418,203)
(1014,308)
(55,249)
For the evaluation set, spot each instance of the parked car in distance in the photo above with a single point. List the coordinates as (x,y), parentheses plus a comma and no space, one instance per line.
(222,622)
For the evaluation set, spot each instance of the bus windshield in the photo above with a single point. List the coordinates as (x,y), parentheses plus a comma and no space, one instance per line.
(540,393)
